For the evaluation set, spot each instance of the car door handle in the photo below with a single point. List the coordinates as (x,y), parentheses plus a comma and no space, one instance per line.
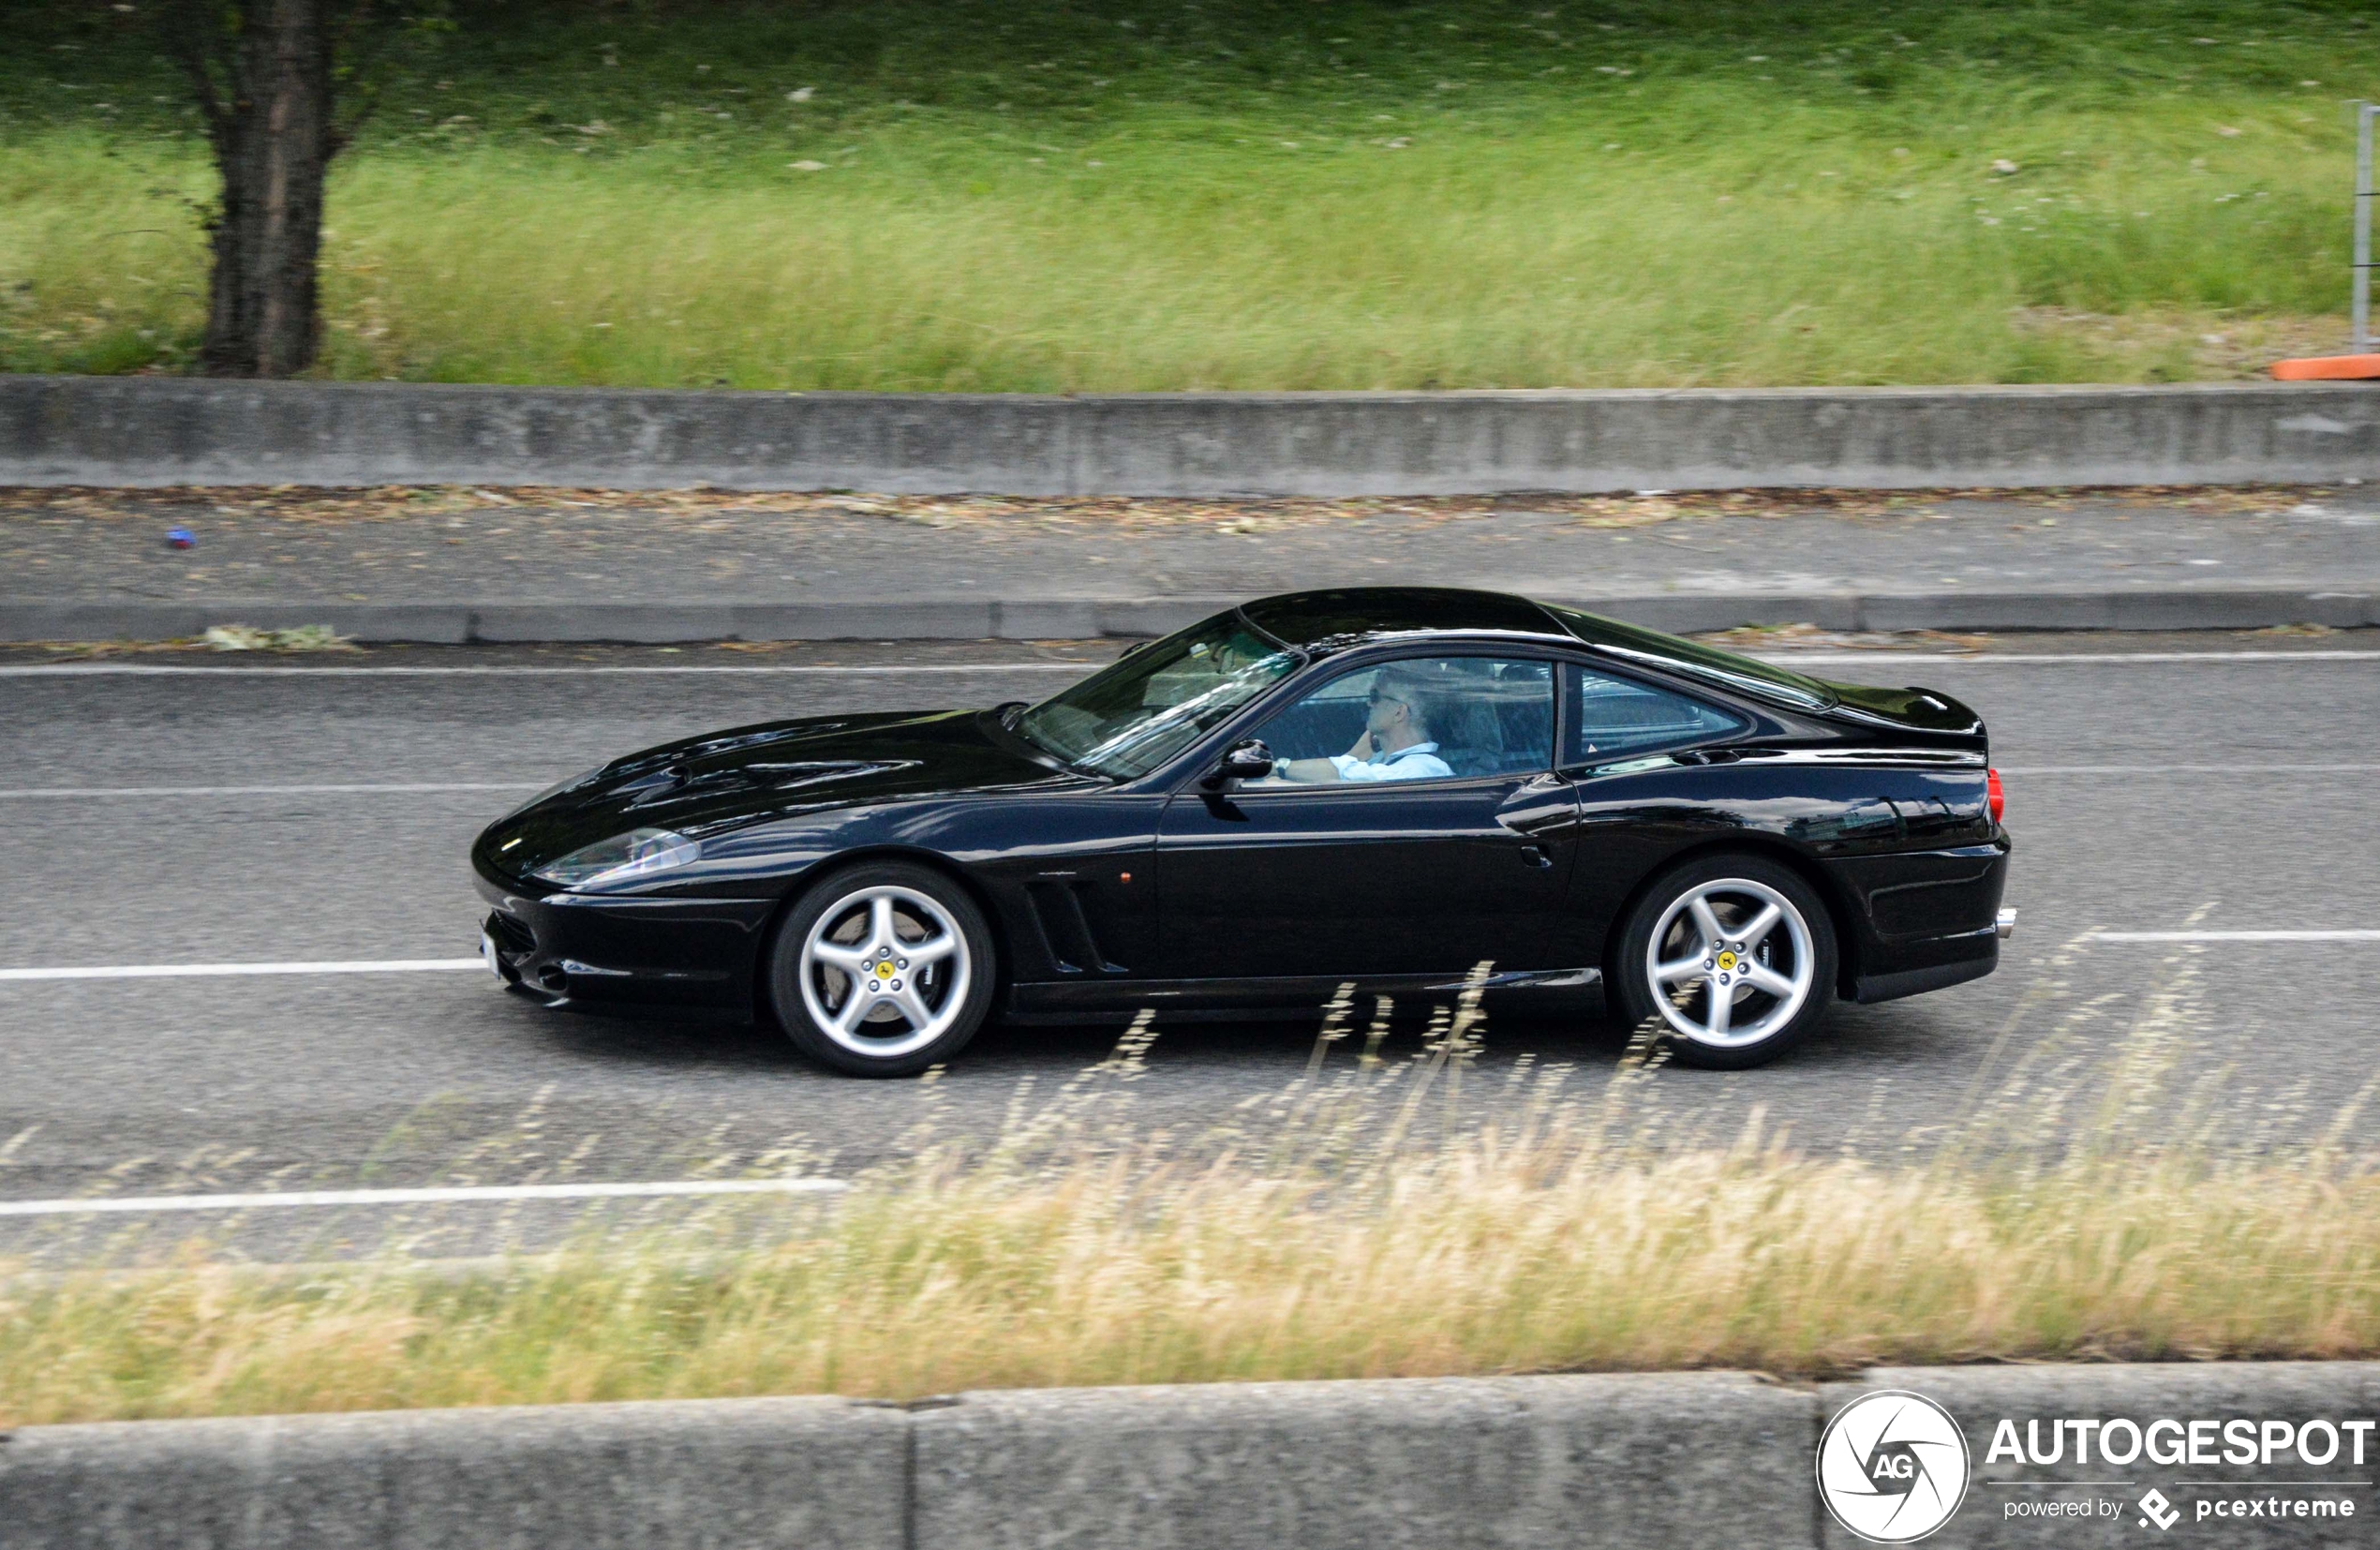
(1533,856)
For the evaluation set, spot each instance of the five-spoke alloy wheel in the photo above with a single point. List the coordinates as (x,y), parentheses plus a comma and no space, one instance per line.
(883,970)
(1733,954)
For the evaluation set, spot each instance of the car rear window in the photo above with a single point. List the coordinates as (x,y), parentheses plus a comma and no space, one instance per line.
(1745,674)
(1614,718)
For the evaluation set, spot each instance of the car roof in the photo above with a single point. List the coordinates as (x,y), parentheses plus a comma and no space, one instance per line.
(1341,616)
(1335,619)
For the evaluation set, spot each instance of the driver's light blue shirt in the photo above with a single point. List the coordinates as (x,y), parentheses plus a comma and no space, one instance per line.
(1413,762)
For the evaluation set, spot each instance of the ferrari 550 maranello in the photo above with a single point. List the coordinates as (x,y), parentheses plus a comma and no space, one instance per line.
(1401,789)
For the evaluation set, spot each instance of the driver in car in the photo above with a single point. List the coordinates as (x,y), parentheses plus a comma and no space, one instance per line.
(1397,743)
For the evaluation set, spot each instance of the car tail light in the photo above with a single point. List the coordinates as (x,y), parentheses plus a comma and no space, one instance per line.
(1998,799)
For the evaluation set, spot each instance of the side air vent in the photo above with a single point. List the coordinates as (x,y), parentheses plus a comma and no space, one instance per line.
(1066,927)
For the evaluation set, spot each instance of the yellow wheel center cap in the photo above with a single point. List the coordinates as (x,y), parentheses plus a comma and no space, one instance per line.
(1727,961)
(883,971)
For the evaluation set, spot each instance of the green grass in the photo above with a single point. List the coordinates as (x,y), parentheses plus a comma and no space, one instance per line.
(1248,194)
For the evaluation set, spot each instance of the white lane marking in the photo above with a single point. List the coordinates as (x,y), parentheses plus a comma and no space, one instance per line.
(2029,659)
(71,669)
(464,965)
(1783,659)
(211,971)
(77,794)
(81,793)
(432,788)
(2234,936)
(108,1204)
(2190,769)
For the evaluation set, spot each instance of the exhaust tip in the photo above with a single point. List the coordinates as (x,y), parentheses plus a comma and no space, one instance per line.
(2006,924)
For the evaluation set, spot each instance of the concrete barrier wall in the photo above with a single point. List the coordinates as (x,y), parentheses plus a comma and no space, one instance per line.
(1639,1462)
(162,431)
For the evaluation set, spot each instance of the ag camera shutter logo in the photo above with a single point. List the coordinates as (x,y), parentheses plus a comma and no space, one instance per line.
(1892,1467)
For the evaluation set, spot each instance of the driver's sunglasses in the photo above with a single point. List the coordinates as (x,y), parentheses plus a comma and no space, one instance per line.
(1377,697)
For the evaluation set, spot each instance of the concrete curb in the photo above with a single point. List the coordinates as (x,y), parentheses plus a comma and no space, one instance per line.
(1085,618)
(120,431)
(654,1476)
(1648,1462)
(1641,1461)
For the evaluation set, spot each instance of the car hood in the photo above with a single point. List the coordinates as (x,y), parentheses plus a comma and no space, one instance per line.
(704,785)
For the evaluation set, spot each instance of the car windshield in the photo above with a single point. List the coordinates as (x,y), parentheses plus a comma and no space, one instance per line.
(1704,662)
(1131,717)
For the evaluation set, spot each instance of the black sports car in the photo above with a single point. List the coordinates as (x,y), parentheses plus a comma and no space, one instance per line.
(1400,788)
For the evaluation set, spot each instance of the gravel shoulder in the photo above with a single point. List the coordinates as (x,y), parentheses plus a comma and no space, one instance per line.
(389,546)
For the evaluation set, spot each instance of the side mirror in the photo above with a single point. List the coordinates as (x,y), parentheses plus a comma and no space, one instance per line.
(1242,761)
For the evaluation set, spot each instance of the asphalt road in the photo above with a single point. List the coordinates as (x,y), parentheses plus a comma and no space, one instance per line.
(2212,793)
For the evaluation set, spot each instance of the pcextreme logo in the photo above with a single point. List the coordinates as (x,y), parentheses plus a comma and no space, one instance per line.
(2156,1511)
(1892,1467)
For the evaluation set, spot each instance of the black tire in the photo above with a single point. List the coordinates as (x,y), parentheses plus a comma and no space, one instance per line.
(886,1039)
(1798,949)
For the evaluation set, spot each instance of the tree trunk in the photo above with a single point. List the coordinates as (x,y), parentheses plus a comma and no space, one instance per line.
(274,143)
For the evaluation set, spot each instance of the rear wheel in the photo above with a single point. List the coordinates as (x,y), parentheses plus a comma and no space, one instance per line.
(883,970)
(1733,954)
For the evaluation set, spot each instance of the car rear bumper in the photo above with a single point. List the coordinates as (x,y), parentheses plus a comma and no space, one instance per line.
(1895,984)
(627,955)
(1924,919)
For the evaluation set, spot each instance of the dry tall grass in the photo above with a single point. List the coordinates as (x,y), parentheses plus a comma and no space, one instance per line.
(1332,1243)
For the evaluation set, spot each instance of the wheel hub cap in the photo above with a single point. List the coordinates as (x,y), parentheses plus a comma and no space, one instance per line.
(885,971)
(1730,962)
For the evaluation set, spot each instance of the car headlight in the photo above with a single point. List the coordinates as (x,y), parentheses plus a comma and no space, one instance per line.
(639,852)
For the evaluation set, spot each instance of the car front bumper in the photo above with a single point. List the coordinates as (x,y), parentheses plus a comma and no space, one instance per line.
(627,955)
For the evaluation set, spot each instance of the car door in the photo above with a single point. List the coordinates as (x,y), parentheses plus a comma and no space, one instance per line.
(1623,741)
(1430,863)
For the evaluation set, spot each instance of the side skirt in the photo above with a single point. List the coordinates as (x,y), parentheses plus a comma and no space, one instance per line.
(1297,995)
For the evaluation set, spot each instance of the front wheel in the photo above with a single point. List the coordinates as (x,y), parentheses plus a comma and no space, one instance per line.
(882,970)
(1733,954)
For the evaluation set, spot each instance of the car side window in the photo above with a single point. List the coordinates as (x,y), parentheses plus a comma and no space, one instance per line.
(1418,718)
(1615,718)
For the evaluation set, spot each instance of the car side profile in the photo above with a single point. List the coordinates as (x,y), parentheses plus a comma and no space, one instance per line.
(1399,788)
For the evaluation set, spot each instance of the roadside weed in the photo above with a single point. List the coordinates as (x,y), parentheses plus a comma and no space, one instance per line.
(1350,1224)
